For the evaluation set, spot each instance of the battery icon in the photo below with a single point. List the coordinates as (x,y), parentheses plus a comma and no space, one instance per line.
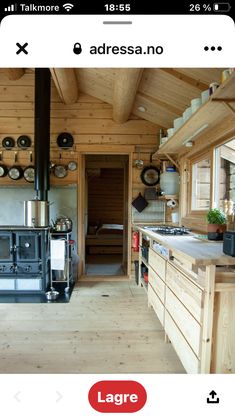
(221,7)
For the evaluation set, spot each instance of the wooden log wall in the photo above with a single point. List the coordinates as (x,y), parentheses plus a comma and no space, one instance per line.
(105,196)
(89,120)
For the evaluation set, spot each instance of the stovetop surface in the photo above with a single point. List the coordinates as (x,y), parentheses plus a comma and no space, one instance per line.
(22,228)
(168,230)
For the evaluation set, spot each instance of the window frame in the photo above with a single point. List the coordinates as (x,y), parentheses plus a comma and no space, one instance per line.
(199,157)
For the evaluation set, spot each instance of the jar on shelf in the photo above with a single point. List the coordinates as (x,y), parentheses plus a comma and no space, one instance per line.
(169,181)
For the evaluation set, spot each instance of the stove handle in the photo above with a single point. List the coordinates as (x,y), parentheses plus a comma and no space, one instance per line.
(13,249)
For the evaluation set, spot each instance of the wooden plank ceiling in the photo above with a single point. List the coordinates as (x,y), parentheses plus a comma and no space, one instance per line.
(158,95)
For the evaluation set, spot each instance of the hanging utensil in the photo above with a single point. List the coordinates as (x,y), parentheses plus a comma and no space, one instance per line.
(15,172)
(60,171)
(29,174)
(65,140)
(8,142)
(3,168)
(24,141)
(139,163)
(72,165)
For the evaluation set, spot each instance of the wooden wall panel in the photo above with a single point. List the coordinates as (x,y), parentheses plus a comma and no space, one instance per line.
(89,120)
(105,197)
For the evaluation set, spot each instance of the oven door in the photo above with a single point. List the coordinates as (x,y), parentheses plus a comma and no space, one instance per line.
(6,247)
(28,246)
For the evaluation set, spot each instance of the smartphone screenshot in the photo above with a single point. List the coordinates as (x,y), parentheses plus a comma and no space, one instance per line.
(117,213)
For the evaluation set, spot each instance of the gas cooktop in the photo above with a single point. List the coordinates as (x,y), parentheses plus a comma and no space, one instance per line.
(168,230)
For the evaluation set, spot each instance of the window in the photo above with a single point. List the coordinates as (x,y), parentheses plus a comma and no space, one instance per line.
(224,179)
(200,187)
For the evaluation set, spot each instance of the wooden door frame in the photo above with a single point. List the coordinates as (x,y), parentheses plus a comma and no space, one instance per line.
(106,150)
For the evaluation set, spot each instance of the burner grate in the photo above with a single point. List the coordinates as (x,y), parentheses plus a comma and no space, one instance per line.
(169,230)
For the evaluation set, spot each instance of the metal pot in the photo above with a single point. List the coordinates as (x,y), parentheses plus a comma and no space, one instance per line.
(36,213)
(63,224)
(52,294)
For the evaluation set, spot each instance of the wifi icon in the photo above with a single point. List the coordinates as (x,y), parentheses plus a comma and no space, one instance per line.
(68,6)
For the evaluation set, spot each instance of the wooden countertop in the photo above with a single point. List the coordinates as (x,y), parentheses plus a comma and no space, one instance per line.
(196,251)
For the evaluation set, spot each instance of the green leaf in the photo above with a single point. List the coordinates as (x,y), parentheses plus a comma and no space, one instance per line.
(216,216)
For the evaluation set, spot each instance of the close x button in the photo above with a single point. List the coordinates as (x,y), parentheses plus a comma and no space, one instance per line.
(117,396)
(22,48)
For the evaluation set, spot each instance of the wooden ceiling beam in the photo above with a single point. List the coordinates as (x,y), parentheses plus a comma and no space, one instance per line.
(187,79)
(125,87)
(166,106)
(14,73)
(66,84)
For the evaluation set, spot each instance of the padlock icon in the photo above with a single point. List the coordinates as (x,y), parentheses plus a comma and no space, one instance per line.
(77,49)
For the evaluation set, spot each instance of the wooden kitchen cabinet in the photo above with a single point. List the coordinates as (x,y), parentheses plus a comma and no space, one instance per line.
(186,291)
(157,284)
(194,300)
(158,263)
(188,326)
(182,348)
(156,304)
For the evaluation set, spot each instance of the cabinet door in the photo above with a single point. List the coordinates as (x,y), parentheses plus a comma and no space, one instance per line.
(186,291)
(188,326)
(6,246)
(28,246)
(184,351)
(157,263)
(157,284)
(157,305)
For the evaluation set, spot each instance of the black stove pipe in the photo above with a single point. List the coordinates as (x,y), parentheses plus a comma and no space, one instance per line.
(42,132)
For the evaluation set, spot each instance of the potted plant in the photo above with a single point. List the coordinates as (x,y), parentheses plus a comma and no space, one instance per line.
(216,220)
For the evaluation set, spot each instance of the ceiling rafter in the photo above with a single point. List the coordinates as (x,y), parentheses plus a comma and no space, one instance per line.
(125,88)
(66,84)
(159,102)
(14,73)
(187,79)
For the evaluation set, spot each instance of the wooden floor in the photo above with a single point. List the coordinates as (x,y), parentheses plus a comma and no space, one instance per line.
(106,328)
(104,265)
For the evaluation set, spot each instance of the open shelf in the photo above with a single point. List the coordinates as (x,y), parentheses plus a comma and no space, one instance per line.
(211,112)
(144,284)
(169,197)
(143,260)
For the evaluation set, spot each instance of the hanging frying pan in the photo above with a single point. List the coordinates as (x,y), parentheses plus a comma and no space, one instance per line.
(24,142)
(72,165)
(65,140)
(8,142)
(3,170)
(15,172)
(60,171)
(29,173)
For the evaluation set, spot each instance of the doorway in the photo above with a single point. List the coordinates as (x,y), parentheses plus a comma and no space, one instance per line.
(105,215)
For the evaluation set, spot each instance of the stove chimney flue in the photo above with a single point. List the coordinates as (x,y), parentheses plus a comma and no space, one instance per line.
(42,132)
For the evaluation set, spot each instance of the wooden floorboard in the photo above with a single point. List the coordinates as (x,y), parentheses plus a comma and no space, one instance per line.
(94,333)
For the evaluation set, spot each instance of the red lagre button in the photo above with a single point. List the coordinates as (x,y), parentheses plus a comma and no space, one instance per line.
(117,396)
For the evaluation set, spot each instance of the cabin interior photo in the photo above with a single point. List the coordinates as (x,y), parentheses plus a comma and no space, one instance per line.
(117,228)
